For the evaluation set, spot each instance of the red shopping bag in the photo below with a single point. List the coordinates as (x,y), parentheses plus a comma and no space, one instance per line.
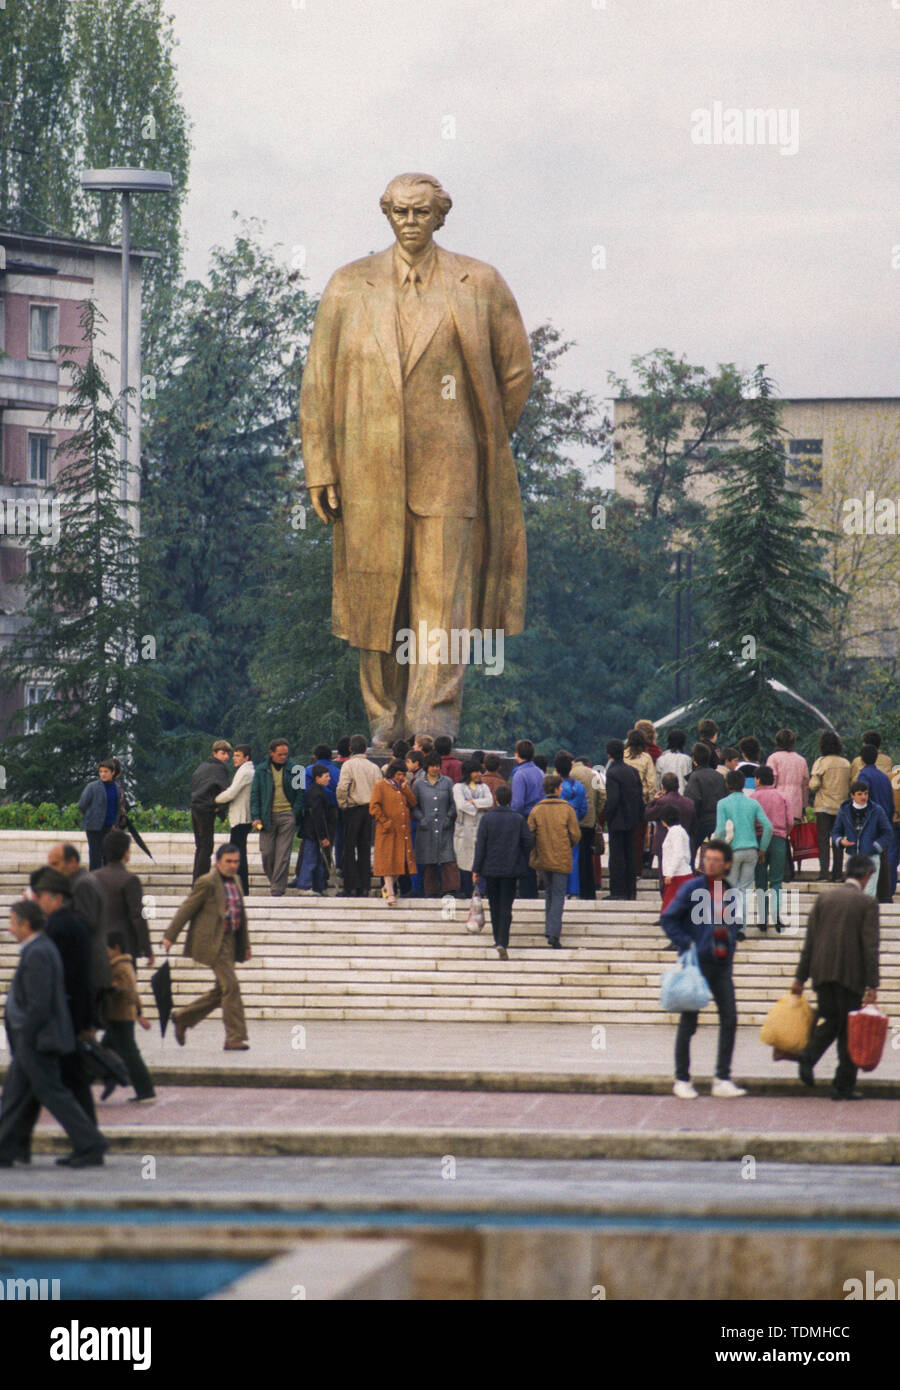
(804,840)
(866,1032)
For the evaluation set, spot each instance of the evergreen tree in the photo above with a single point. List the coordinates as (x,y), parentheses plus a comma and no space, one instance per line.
(765,586)
(81,634)
(220,478)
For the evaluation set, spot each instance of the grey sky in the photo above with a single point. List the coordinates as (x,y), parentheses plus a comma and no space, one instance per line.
(573,130)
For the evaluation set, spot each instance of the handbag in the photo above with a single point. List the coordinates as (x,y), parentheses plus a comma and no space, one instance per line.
(101,1063)
(866,1033)
(683,988)
(599,842)
(804,840)
(475,918)
(788,1026)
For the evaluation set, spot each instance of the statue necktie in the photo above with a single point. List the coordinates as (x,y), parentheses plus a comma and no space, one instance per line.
(409,308)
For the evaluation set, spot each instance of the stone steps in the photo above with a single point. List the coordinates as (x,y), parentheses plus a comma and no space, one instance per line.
(356,959)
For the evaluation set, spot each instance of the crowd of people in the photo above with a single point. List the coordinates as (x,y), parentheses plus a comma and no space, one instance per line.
(419,820)
(717,820)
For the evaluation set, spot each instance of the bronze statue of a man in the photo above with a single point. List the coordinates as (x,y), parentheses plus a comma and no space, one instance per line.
(419,367)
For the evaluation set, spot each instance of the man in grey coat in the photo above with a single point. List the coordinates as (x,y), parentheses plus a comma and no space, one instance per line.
(101,807)
(39,1028)
(840,952)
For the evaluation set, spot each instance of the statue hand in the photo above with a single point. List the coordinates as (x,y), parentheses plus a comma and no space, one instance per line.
(326,502)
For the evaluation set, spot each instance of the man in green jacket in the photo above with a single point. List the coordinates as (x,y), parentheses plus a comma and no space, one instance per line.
(276,809)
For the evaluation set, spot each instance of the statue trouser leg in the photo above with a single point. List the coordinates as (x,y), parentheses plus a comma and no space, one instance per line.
(383,685)
(440,596)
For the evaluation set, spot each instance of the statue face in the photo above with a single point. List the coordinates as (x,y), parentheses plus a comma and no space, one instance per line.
(413,216)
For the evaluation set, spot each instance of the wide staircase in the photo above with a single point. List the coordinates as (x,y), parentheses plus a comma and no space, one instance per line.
(338,958)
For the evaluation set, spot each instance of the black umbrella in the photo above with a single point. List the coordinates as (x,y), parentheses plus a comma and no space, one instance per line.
(161,984)
(135,835)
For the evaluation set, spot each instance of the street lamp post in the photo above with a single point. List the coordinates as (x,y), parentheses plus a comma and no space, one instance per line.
(125,182)
(684,565)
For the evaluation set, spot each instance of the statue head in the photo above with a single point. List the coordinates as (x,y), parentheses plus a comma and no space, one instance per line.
(416,206)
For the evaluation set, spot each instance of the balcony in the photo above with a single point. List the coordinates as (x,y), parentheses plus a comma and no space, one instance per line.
(26,384)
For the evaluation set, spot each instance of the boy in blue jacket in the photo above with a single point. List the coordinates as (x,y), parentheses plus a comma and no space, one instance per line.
(707,912)
(863,828)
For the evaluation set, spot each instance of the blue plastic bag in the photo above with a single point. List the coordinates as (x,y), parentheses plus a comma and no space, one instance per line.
(683,988)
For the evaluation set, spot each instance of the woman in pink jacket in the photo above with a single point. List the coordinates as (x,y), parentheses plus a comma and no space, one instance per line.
(791,772)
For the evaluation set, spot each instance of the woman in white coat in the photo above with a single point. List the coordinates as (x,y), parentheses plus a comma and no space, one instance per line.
(237,798)
(472,797)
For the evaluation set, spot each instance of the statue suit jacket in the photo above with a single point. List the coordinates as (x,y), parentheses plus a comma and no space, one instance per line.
(352,425)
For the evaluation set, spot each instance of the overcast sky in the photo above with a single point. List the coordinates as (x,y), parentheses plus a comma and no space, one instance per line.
(574,130)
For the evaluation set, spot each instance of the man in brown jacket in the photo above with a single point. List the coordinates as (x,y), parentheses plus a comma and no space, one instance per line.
(595,792)
(217,937)
(554,825)
(841,954)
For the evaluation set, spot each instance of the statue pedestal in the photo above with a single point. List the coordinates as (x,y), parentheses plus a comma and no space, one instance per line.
(381,756)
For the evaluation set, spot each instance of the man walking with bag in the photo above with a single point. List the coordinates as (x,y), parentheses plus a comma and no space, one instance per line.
(217,937)
(840,952)
(706,913)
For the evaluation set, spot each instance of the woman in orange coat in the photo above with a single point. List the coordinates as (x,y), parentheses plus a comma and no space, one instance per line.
(390,804)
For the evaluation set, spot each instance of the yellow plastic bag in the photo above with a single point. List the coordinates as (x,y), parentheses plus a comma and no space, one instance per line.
(789,1024)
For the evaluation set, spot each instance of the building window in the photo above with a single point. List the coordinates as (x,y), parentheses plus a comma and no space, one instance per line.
(39,458)
(34,695)
(804,463)
(42,330)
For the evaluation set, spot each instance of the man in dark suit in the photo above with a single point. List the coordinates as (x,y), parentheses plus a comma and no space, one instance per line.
(88,903)
(72,939)
(841,954)
(624,813)
(210,778)
(124,896)
(39,1028)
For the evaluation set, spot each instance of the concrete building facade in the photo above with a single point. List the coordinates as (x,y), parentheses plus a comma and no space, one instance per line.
(44,283)
(843,458)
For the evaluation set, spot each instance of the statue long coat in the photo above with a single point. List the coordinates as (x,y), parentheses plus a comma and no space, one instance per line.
(351,414)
